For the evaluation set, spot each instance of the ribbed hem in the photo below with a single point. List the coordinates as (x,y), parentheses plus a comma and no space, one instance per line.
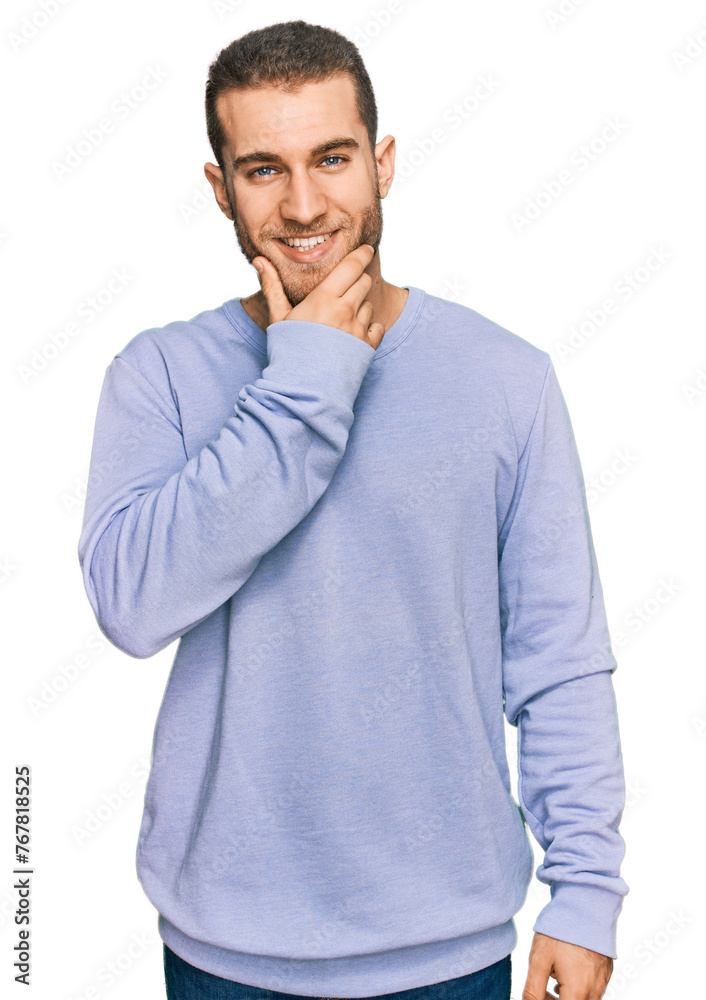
(356,976)
(582,914)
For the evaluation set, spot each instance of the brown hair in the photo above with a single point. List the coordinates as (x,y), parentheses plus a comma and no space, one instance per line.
(288,54)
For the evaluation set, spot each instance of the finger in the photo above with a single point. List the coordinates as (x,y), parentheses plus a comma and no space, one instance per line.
(348,270)
(278,304)
(365,312)
(376,332)
(358,290)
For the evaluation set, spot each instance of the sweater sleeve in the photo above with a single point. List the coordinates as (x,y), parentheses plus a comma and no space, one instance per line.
(166,541)
(557,684)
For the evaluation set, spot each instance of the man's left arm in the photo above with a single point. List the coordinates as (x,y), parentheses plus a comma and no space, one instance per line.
(557,683)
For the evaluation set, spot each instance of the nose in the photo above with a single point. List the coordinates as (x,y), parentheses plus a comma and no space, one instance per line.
(303,201)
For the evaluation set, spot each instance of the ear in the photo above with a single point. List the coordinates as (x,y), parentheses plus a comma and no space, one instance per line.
(385,159)
(217,182)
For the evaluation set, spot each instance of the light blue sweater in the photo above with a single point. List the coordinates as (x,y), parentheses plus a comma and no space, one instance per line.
(367,557)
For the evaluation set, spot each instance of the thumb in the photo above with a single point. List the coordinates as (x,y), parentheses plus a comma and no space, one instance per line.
(278,304)
(537,983)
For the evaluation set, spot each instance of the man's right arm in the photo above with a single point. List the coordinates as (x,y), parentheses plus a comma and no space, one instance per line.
(166,541)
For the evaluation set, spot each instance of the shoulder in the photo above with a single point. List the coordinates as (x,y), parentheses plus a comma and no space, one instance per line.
(149,346)
(503,356)
(169,355)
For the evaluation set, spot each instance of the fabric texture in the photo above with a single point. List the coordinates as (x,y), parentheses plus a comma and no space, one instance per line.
(370,559)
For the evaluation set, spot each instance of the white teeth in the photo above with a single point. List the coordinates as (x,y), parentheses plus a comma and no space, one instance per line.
(307,244)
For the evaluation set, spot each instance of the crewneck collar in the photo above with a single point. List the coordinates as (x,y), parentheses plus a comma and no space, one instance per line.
(249,330)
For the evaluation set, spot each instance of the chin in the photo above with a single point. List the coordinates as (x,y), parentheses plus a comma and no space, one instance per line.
(297,283)
(297,294)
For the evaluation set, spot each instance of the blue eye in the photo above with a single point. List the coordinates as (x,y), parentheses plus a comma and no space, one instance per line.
(332,156)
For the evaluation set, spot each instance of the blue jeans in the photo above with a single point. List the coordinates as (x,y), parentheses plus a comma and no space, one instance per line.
(186,982)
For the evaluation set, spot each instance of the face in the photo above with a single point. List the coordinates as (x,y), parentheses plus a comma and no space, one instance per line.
(305,191)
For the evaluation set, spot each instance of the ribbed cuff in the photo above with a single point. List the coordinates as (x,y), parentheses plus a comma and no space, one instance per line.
(583,915)
(306,355)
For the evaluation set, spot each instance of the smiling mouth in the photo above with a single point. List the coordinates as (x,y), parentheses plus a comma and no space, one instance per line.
(306,243)
(309,250)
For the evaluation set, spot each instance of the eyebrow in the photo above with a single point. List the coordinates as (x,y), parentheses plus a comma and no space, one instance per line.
(260,156)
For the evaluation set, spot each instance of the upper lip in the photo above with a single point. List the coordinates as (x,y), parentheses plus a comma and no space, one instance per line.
(306,236)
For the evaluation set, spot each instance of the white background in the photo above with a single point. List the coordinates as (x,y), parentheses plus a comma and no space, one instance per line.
(635,386)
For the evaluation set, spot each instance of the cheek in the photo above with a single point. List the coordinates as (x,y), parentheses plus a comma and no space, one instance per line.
(252,213)
(254,231)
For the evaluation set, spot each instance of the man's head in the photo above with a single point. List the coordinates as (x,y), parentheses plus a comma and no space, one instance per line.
(277,100)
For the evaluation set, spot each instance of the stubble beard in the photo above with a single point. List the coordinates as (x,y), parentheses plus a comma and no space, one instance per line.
(299,279)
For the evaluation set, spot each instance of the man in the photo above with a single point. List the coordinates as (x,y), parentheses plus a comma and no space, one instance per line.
(361,510)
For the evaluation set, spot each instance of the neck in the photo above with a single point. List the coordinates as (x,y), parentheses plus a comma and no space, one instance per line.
(387,300)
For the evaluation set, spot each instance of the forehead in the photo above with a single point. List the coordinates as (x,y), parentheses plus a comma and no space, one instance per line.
(271,118)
